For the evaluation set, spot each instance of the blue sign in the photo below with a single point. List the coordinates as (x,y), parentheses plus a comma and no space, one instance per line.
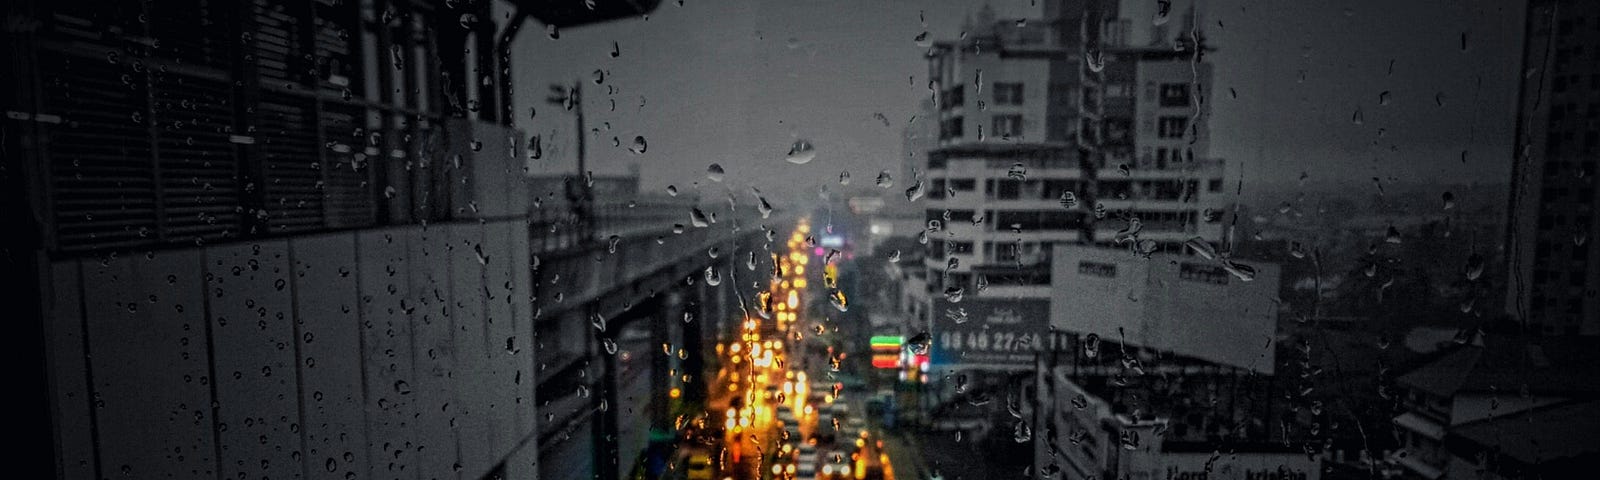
(993,332)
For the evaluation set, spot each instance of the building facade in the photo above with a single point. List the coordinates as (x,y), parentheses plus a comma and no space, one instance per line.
(1063,130)
(1554,284)
(1500,406)
(275,238)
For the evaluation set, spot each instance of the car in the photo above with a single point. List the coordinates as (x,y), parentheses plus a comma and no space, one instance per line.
(836,465)
(804,453)
(805,461)
(824,431)
(821,389)
(805,470)
(855,425)
(700,467)
(783,469)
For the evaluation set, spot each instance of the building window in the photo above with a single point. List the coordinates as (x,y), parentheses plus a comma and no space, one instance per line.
(951,128)
(1008,189)
(1172,127)
(958,216)
(1119,90)
(1098,269)
(1008,125)
(1119,130)
(1174,94)
(1007,93)
(1203,273)
(957,96)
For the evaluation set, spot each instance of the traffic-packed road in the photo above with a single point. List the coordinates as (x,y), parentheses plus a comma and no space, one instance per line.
(778,407)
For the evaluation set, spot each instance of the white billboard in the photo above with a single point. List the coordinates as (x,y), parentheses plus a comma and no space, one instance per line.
(1183,304)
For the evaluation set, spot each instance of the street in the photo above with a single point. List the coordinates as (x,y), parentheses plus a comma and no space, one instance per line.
(778,405)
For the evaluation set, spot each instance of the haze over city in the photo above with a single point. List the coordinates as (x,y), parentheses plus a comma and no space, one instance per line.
(735,83)
(804,239)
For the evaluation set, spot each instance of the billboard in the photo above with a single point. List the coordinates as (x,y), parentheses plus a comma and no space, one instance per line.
(989,332)
(1182,304)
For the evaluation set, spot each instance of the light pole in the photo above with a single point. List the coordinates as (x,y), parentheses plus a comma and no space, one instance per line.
(578,193)
(571,99)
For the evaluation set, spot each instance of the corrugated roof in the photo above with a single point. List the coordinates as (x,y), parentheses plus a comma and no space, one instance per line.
(1548,365)
(1539,435)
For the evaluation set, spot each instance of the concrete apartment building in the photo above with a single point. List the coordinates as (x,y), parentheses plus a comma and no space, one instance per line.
(1047,126)
(1552,255)
(291,238)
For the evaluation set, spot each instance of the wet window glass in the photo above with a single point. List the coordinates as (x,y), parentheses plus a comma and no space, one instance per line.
(809,240)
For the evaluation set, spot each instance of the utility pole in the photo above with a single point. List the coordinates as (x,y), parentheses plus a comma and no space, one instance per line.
(579,195)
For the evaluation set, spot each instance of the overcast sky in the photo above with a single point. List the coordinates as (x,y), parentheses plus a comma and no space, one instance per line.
(735,82)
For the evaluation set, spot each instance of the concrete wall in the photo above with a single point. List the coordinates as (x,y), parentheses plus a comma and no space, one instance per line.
(1033,74)
(387,353)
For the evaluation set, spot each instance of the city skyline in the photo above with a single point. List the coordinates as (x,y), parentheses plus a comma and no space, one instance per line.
(819,78)
(1142,239)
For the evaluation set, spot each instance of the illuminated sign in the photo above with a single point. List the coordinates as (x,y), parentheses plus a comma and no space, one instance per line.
(885,360)
(990,332)
(887,341)
(886,350)
(832,241)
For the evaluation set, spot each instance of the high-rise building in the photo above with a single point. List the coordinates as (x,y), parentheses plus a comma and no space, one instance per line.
(1073,128)
(1554,266)
(271,238)
(1071,169)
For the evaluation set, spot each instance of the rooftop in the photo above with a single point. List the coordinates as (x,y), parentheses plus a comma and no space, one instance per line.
(1540,436)
(1548,365)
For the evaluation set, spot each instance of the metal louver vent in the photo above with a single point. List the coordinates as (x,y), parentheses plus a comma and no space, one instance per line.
(347,195)
(336,29)
(199,168)
(292,177)
(191,32)
(100,164)
(278,39)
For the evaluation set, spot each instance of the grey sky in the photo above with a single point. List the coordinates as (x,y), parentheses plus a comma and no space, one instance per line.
(735,82)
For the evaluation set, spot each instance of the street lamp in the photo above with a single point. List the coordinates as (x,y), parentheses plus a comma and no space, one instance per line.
(572,100)
(579,195)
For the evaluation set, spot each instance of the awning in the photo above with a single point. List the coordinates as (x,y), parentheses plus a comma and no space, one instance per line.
(1425,426)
